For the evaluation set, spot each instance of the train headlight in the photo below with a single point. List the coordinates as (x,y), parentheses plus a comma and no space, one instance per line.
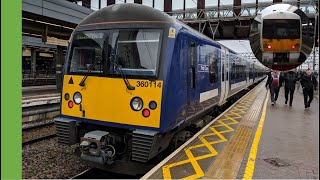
(77,98)
(136,103)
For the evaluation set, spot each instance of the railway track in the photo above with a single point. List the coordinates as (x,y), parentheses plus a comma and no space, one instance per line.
(30,127)
(94,173)
(39,132)
(38,139)
(40,104)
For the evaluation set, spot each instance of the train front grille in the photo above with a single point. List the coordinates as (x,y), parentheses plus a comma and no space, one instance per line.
(66,131)
(141,146)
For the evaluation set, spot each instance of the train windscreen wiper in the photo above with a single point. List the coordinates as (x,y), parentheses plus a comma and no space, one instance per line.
(114,61)
(119,69)
(97,59)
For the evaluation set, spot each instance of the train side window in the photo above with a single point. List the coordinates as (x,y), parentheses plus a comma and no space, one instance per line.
(227,67)
(235,71)
(192,53)
(243,71)
(222,73)
(213,75)
(232,72)
(192,68)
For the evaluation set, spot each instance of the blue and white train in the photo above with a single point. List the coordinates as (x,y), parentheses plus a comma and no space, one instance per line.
(137,81)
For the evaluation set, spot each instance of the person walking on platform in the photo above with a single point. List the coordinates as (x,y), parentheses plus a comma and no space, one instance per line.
(308,82)
(300,75)
(274,82)
(290,80)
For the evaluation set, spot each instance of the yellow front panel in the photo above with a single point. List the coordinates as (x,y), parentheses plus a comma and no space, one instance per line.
(107,99)
(281,45)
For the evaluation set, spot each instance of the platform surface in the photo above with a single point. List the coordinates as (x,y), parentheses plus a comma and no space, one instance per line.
(252,139)
(289,145)
(36,92)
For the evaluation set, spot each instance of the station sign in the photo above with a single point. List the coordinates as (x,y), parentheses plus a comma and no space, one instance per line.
(56,41)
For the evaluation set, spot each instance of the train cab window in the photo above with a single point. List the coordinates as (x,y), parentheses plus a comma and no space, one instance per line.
(281,29)
(86,57)
(138,51)
(135,51)
(87,52)
(192,58)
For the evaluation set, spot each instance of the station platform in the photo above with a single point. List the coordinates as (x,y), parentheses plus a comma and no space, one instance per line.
(36,92)
(251,140)
(40,102)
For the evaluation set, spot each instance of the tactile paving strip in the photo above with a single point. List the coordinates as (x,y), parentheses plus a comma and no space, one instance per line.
(228,163)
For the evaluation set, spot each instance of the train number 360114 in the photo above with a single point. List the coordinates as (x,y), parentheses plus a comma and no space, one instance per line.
(151,84)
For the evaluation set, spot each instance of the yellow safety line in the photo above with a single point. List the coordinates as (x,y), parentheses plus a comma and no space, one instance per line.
(254,148)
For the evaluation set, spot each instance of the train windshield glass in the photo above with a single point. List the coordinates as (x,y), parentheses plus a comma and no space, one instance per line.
(136,51)
(86,50)
(281,29)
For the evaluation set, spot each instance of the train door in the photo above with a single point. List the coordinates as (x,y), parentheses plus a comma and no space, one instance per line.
(191,90)
(224,67)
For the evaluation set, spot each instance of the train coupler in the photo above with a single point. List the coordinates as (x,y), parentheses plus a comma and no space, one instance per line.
(95,148)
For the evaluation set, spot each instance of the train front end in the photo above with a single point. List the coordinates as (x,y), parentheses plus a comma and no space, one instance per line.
(113,85)
(112,75)
(281,38)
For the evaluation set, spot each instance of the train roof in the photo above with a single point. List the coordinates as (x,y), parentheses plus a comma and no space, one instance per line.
(278,7)
(205,37)
(126,13)
(130,13)
(281,15)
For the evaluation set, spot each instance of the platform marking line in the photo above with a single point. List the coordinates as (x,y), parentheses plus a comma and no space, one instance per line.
(236,112)
(248,174)
(227,164)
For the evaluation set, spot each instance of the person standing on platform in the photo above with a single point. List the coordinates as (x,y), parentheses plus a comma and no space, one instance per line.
(308,82)
(274,83)
(290,80)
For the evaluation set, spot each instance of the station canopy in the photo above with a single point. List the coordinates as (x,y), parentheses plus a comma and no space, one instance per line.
(239,46)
